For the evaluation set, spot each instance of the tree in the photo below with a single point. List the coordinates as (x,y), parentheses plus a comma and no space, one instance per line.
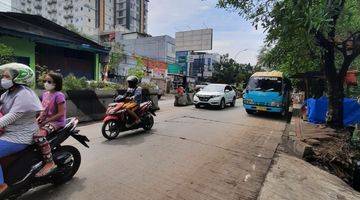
(229,71)
(6,54)
(306,34)
(138,70)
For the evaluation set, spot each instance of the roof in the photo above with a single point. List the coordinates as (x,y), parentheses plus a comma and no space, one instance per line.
(41,30)
(269,74)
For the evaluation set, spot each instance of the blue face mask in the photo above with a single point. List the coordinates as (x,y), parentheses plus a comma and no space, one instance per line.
(6,83)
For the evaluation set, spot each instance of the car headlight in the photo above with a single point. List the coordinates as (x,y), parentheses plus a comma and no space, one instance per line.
(276,104)
(248,101)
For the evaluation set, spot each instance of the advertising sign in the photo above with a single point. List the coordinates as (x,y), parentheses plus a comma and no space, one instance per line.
(195,40)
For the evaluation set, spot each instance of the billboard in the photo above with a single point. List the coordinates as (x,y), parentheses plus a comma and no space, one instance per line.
(196,40)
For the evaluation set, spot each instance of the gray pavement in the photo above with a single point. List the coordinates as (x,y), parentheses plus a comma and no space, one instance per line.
(190,154)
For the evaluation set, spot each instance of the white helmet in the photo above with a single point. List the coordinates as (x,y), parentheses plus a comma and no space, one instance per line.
(20,73)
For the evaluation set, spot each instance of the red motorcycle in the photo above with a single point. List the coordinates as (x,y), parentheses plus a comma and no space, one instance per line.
(115,122)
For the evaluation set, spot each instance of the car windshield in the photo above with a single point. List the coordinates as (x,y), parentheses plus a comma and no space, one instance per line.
(268,84)
(214,88)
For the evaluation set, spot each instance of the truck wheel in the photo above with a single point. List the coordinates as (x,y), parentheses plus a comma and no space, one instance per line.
(250,112)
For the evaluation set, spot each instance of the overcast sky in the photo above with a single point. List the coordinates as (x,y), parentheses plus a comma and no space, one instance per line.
(232,34)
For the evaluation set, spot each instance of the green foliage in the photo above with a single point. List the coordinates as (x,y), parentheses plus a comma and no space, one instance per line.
(138,70)
(230,72)
(148,86)
(71,82)
(6,54)
(105,85)
(116,56)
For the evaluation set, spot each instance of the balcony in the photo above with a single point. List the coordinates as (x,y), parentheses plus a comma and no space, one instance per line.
(52,11)
(38,7)
(68,16)
(29,1)
(51,2)
(69,6)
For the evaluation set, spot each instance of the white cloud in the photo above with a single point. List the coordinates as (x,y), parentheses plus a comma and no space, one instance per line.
(231,32)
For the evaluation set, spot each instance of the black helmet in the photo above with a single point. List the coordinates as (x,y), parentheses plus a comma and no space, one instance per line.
(132,81)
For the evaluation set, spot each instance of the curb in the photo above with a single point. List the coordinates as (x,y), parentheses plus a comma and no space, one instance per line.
(292,137)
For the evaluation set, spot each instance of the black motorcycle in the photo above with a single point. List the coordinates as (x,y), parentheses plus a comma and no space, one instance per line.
(20,169)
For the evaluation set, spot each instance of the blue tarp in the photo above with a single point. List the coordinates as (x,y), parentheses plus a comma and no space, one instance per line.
(317,109)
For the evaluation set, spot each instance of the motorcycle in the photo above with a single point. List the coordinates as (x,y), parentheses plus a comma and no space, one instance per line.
(115,122)
(20,168)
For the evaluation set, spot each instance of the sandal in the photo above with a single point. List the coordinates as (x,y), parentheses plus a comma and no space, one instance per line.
(3,187)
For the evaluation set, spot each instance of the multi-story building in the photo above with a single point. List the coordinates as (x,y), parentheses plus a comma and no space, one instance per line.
(159,48)
(197,64)
(88,16)
(132,14)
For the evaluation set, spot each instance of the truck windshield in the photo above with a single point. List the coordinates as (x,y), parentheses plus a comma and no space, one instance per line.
(268,84)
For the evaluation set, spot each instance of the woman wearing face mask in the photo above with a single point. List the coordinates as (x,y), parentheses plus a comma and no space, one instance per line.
(19,107)
(51,119)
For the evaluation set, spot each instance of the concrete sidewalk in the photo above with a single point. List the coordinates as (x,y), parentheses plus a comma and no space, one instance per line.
(291,178)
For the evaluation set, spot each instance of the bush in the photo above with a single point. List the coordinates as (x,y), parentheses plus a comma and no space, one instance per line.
(6,54)
(148,86)
(105,85)
(72,83)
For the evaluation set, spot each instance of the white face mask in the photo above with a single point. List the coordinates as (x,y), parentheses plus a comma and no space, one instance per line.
(48,86)
(6,83)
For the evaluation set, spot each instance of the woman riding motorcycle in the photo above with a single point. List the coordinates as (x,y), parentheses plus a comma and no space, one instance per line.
(19,105)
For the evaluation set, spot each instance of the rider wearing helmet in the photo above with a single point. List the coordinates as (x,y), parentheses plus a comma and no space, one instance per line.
(19,105)
(133,99)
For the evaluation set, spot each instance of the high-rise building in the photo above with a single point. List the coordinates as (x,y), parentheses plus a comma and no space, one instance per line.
(88,16)
(132,14)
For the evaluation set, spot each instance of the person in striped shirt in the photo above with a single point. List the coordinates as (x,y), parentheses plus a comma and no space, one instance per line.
(19,105)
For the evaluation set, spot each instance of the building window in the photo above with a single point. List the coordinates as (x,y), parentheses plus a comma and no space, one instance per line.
(81,8)
(89,20)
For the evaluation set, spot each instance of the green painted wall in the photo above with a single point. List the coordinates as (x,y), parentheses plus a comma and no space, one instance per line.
(97,68)
(22,47)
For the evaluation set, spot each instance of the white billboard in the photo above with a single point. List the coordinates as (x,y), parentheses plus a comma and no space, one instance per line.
(196,40)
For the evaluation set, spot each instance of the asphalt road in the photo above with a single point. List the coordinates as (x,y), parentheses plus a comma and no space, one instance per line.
(190,154)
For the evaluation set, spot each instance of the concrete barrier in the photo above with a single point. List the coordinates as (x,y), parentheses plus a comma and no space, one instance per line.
(91,105)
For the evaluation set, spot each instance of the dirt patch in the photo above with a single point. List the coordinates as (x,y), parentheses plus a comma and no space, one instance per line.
(333,152)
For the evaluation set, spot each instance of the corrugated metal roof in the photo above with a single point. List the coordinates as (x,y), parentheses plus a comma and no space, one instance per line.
(268,74)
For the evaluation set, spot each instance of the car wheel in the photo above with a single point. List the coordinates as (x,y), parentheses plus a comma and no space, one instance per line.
(222,104)
(233,103)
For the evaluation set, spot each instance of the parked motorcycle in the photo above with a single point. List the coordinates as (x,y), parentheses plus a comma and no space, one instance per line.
(115,122)
(20,169)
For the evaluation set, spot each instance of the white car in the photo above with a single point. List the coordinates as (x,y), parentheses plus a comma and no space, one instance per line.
(215,95)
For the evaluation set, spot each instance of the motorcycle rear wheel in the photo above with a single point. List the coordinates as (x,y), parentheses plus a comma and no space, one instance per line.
(73,166)
(148,122)
(110,129)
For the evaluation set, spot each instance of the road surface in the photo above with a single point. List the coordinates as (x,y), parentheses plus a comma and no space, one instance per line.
(190,154)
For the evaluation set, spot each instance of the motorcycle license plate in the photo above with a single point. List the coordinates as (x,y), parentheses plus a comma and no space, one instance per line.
(260,108)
